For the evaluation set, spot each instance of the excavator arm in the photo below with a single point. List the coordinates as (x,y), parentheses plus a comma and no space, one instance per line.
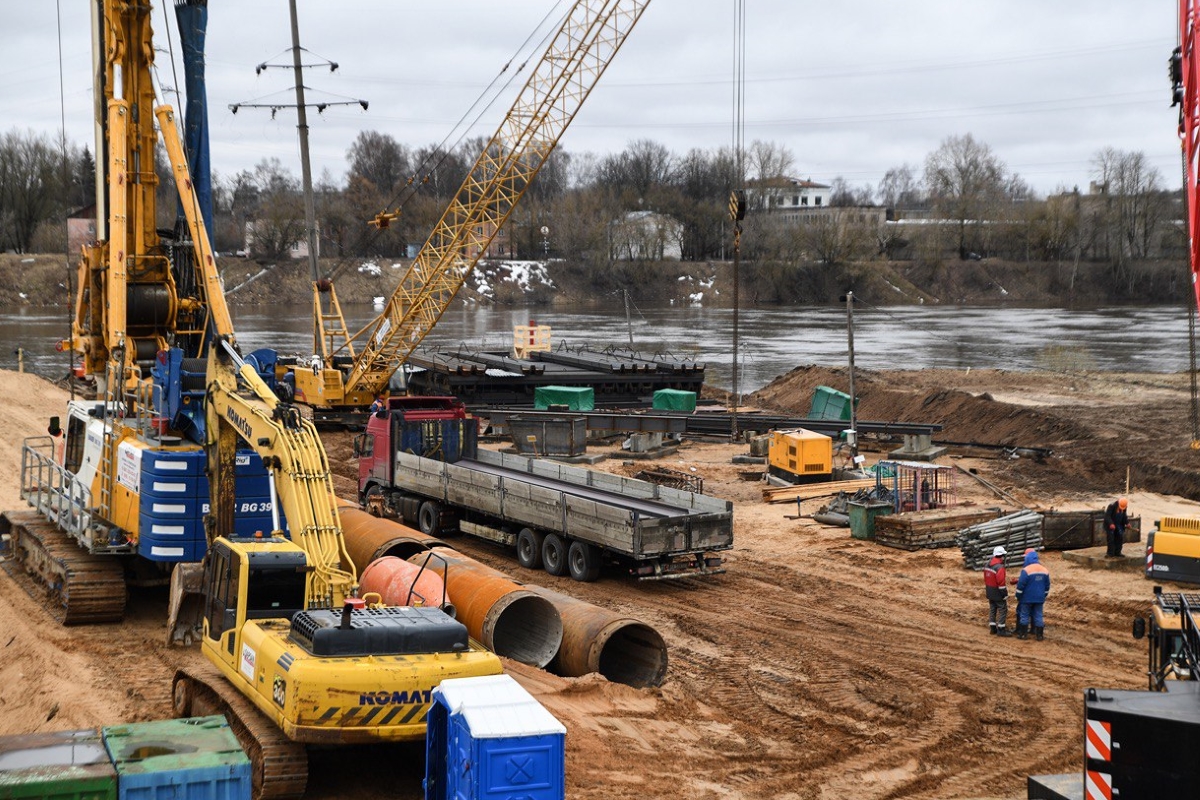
(296,461)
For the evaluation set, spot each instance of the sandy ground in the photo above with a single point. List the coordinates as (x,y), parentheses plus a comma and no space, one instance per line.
(818,667)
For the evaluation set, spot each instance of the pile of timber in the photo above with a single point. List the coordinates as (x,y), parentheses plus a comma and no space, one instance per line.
(807,491)
(1015,532)
(929,528)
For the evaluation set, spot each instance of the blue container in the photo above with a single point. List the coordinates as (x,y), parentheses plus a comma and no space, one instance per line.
(160,507)
(171,549)
(173,463)
(178,759)
(489,739)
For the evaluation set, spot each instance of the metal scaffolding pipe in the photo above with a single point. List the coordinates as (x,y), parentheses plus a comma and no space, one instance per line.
(505,616)
(622,649)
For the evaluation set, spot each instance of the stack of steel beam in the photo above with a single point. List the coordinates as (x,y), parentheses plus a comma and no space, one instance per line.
(1015,532)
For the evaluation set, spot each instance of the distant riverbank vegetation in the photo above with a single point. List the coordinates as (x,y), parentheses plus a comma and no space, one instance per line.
(959,228)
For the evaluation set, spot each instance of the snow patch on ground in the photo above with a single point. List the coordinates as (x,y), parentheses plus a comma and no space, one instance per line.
(524,275)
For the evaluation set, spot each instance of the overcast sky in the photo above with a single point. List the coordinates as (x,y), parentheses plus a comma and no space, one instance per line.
(852,89)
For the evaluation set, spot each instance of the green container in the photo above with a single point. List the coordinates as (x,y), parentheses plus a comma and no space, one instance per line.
(179,759)
(72,765)
(674,400)
(829,403)
(862,518)
(572,398)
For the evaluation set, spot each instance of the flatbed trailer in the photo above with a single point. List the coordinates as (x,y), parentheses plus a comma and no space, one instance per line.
(564,519)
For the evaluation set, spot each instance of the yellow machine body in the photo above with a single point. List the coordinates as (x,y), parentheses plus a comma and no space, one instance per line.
(315,699)
(800,455)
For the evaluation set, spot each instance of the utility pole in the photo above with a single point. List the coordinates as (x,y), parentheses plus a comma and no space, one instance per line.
(310,212)
(297,66)
(853,433)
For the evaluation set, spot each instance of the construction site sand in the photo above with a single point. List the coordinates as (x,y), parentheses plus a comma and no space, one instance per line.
(819,666)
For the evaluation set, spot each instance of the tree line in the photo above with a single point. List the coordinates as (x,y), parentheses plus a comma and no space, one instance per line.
(962,201)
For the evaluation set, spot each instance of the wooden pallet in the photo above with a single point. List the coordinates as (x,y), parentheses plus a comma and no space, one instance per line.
(931,528)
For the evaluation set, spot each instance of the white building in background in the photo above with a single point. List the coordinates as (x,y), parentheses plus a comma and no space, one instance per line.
(786,194)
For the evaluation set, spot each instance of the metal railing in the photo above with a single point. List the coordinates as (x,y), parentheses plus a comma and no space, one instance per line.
(59,496)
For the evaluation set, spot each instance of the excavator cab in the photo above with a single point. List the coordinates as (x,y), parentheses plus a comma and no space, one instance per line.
(274,584)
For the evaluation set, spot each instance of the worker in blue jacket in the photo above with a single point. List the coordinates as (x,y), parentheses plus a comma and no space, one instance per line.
(1033,586)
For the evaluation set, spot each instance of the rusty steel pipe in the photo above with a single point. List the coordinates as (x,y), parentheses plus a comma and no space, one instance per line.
(622,649)
(505,616)
(369,537)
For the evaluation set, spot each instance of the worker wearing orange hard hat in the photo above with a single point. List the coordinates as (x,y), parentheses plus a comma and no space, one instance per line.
(1116,517)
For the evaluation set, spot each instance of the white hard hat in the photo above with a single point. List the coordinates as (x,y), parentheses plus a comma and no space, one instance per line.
(999,551)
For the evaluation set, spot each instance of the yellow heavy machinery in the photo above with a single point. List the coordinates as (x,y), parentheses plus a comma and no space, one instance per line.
(351,369)
(140,291)
(296,657)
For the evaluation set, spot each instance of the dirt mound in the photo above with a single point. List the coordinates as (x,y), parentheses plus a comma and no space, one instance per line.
(890,397)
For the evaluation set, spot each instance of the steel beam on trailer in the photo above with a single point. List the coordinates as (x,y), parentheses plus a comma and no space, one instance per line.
(596,421)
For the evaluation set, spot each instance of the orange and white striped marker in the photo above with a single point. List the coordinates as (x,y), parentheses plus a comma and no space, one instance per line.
(1099,740)
(1097,786)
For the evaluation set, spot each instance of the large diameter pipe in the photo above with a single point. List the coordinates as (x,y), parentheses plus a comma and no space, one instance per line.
(505,616)
(369,537)
(402,583)
(622,649)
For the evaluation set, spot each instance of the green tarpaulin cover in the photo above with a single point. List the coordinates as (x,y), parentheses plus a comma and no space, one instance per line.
(829,403)
(674,400)
(575,398)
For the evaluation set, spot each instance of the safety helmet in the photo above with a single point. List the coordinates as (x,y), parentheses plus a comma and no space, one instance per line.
(1122,503)
(999,551)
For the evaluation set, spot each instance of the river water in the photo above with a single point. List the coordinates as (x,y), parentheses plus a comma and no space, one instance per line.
(771,341)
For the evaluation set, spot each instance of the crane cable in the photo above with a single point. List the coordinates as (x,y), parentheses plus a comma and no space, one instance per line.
(468,121)
(739,182)
(70,304)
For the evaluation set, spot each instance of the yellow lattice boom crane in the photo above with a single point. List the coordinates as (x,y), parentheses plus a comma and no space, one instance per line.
(347,377)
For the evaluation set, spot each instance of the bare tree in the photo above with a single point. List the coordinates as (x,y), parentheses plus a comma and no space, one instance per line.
(900,188)
(30,186)
(1133,206)
(767,160)
(967,184)
(380,160)
(841,193)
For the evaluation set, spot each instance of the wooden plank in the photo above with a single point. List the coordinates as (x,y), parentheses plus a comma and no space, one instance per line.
(807,491)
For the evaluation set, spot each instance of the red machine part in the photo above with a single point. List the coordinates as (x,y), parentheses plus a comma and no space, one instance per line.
(1187,76)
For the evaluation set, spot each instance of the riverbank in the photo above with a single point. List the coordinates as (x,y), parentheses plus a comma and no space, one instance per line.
(43,280)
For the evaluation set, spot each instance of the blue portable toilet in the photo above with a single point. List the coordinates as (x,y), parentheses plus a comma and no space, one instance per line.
(489,739)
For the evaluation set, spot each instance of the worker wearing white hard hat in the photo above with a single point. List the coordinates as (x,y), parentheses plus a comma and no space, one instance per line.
(995,582)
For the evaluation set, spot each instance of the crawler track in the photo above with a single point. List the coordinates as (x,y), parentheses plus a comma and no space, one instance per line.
(79,588)
(279,766)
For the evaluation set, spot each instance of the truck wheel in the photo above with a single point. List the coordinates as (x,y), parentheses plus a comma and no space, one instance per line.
(529,548)
(554,555)
(583,561)
(429,518)
(373,502)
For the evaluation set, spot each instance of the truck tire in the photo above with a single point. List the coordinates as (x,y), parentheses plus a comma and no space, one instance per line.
(529,548)
(373,501)
(429,518)
(554,555)
(583,561)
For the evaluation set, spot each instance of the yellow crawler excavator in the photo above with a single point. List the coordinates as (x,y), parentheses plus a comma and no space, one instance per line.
(296,658)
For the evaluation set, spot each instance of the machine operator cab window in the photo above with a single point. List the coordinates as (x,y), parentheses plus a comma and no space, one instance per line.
(274,586)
